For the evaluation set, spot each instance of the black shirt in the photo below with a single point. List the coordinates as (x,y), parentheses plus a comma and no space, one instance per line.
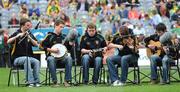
(23,48)
(52,39)
(153,37)
(90,43)
(119,40)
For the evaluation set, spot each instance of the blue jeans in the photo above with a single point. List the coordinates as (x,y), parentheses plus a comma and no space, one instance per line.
(125,61)
(31,76)
(86,59)
(165,64)
(111,62)
(51,62)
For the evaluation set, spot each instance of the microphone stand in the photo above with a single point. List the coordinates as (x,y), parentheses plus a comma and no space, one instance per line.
(75,63)
(26,38)
(136,63)
(27,45)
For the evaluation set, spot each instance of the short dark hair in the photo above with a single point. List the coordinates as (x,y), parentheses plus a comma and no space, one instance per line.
(91,25)
(58,22)
(124,31)
(23,21)
(161,27)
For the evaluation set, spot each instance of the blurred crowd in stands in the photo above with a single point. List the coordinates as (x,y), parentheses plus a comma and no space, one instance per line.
(108,15)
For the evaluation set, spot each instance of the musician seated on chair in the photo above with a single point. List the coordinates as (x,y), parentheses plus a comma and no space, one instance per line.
(54,54)
(22,54)
(157,52)
(92,45)
(124,42)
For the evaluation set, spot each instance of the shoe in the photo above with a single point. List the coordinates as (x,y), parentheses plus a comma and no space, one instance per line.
(116,83)
(55,85)
(66,84)
(37,85)
(121,84)
(154,82)
(85,82)
(164,83)
(31,85)
(95,83)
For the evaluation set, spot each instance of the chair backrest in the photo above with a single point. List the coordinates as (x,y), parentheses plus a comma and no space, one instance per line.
(11,58)
(60,64)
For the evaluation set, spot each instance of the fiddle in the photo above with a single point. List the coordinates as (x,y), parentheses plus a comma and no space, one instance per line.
(131,42)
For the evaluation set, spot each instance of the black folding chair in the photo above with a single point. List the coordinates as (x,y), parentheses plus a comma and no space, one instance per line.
(91,66)
(60,69)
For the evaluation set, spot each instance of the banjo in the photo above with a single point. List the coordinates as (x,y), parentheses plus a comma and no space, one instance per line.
(62,49)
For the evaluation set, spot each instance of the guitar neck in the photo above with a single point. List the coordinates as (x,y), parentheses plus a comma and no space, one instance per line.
(97,50)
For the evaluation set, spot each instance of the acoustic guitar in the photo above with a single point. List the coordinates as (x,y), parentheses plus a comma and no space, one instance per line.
(156,51)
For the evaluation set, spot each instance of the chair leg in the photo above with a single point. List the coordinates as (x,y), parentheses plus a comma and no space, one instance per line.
(138,73)
(108,78)
(100,76)
(104,75)
(80,74)
(178,70)
(169,74)
(160,72)
(18,76)
(134,75)
(46,79)
(9,77)
(60,76)
(49,77)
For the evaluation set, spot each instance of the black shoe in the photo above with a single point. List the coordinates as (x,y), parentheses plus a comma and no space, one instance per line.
(95,83)
(154,81)
(55,85)
(162,83)
(86,82)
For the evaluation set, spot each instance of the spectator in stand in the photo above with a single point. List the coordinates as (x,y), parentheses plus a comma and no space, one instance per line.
(156,18)
(6,4)
(23,11)
(176,28)
(176,15)
(133,2)
(63,3)
(35,10)
(4,49)
(13,21)
(170,4)
(53,8)
(34,17)
(133,13)
(75,21)
(115,26)
(164,11)
(65,18)
(174,8)
(119,2)
(147,23)
(23,2)
(123,12)
(73,4)
(83,5)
